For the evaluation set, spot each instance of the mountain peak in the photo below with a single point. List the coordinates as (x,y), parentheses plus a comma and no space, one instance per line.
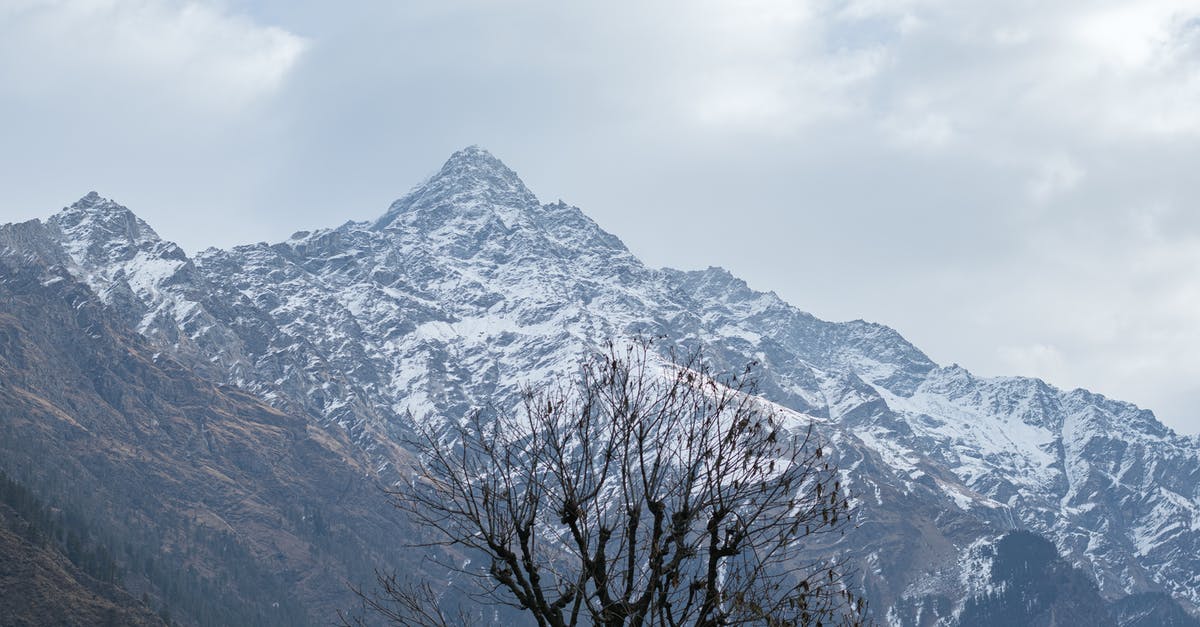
(474,167)
(475,156)
(94,201)
(471,178)
(94,223)
(96,209)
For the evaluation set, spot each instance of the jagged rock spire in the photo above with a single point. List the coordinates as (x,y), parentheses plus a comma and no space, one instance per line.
(472,179)
(97,230)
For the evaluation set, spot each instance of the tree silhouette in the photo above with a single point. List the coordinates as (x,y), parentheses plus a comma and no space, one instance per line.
(647,492)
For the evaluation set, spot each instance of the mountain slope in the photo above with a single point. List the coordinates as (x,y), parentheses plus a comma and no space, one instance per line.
(220,508)
(41,584)
(468,286)
(1030,585)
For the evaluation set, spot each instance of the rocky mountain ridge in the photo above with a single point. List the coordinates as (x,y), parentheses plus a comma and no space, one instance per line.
(217,508)
(468,286)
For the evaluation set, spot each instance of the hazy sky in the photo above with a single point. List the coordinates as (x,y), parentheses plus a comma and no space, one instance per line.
(1015,186)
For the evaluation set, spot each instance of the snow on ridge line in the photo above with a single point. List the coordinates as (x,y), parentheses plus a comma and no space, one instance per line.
(446,324)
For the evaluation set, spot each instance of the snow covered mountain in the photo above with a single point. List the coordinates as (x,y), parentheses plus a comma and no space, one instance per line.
(468,286)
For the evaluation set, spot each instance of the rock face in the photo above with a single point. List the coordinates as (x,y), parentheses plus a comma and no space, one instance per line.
(468,286)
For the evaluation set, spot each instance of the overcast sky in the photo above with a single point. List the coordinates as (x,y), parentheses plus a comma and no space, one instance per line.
(1015,186)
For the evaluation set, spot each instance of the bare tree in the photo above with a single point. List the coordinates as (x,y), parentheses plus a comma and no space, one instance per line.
(646,492)
(404,602)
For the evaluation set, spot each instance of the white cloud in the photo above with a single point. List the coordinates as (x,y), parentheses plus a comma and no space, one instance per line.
(920,129)
(752,94)
(759,66)
(1115,68)
(1135,67)
(1044,361)
(1055,175)
(181,54)
(1129,37)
